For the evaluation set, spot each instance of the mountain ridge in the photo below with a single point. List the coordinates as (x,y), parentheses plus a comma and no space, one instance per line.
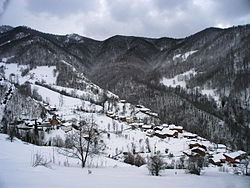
(133,67)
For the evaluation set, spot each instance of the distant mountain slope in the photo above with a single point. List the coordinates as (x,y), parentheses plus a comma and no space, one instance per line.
(214,103)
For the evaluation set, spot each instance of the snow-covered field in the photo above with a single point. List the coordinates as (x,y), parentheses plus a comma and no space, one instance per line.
(16,171)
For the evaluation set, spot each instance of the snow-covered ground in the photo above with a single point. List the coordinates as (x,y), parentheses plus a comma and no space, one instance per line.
(178,80)
(184,56)
(16,171)
(13,72)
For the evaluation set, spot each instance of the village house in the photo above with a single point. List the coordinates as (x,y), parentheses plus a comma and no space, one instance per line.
(139,106)
(189,135)
(129,119)
(153,114)
(158,128)
(144,110)
(109,113)
(136,125)
(122,118)
(218,159)
(146,126)
(234,156)
(221,148)
(66,127)
(199,150)
(123,101)
(160,134)
(166,133)
(176,128)
(165,125)
(197,144)
(189,153)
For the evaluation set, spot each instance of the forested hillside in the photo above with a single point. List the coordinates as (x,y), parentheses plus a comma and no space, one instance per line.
(200,82)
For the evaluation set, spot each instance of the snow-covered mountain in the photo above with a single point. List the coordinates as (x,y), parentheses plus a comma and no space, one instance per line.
(50,85)
(199,82)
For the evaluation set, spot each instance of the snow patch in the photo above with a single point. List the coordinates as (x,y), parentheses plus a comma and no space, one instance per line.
(184,56)
(179,80)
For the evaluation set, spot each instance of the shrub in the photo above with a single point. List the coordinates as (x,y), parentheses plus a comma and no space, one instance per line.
(40,160)
(136,160)
(139,160)
(195,164)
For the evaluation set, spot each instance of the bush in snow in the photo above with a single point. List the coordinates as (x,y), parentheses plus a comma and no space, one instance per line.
(136,160)
(139,160)
(39,160)
(195,164)
(155,165)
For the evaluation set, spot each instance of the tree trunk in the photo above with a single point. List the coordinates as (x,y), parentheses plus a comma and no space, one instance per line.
(86,154)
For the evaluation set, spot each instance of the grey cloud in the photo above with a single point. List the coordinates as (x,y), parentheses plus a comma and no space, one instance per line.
(232,8)
(3,6)
(125,11)
(101,19)
(171,4)
(62,8)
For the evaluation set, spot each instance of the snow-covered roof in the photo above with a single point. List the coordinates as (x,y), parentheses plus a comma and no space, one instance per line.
(66,124)
(150,131)
(172,126)
(147,126)
(139,106)
(221,146)
(235,154)
(199,148)
(144,109)
(159,127)
(165,125)
(167,132)
(187,134)
(136,124)
(109,112)
(218,157)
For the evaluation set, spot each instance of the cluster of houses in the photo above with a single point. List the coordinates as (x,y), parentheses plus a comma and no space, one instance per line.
(196,146)
(40,124)
(230,157)
(196,149)
(141,109)
(147,111)
(120,117)
(222,155)
(163,131)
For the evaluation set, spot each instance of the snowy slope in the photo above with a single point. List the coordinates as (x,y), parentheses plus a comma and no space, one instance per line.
(124,127)
(181,81)
(17,171)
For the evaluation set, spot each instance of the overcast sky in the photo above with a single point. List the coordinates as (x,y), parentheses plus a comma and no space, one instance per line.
(100,19)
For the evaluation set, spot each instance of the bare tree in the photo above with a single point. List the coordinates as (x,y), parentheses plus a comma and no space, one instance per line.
(246,163)
(61,100)
(83,142)
(155,164)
